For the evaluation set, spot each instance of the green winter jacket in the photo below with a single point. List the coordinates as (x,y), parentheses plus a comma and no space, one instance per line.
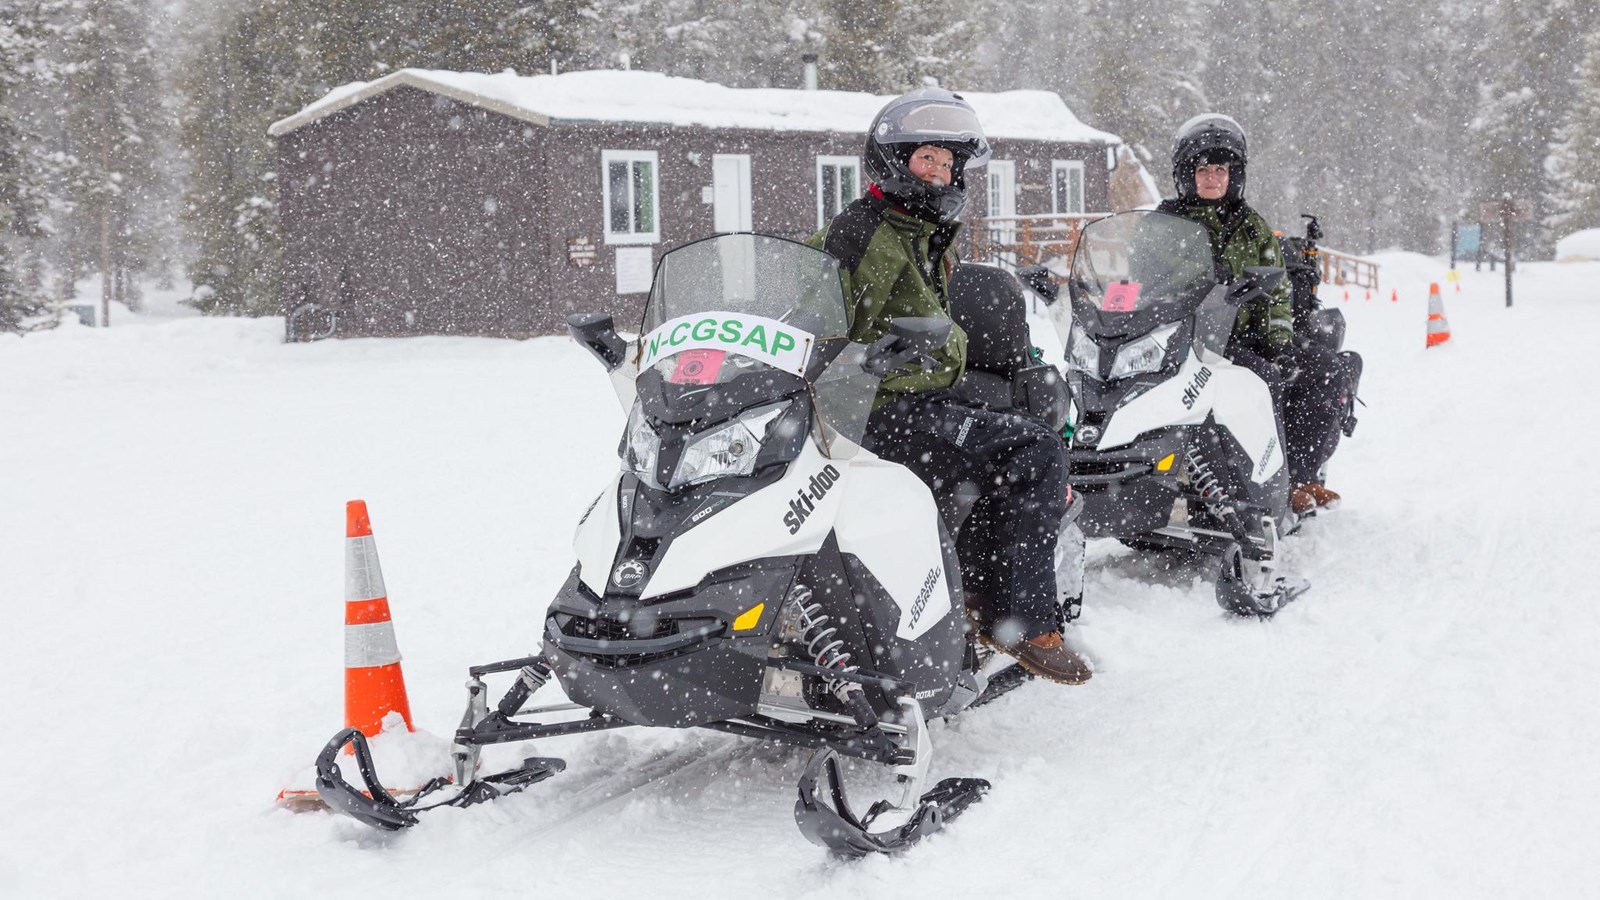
(1264,327)
(895,264)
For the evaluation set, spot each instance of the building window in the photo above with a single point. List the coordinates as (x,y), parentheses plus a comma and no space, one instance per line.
(1066,180)
(632,196)
(838,183)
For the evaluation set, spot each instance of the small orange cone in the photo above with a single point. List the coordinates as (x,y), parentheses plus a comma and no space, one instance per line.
(1394,294)
(1438,325)
(373,683)
(1368,294)
(1347,295)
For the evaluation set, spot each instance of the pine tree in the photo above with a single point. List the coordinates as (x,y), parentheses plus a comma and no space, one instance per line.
(1535,50)
(1574,188)
(862,49)
(21,193)
(259,66)
(110,121)
(1141,77)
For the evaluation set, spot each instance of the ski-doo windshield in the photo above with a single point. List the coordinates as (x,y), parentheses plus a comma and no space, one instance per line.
(744,334)
(1135,271)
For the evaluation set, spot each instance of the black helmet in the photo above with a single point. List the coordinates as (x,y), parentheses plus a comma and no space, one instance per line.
(1208,139)
(925,116)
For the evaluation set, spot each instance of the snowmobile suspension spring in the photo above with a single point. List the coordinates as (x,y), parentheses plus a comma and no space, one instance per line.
(820,637)
(1201,478)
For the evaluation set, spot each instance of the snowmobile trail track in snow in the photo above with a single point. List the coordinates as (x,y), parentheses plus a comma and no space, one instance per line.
(610,790)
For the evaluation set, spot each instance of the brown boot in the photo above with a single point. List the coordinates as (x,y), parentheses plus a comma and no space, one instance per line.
(1048,657)
(1325,498)
(1302,501)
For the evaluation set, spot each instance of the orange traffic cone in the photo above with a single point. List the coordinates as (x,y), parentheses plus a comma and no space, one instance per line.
(1394,294)
(1438,325)
(1347,295)
(1368,294)
(373,683)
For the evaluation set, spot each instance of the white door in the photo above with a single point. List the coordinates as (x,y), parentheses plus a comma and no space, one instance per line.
(1002,198)
(730,192)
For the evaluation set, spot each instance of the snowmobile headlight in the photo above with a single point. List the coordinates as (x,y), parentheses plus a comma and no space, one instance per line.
(1144,355)
(642,447)
(1083,354)
(728,449)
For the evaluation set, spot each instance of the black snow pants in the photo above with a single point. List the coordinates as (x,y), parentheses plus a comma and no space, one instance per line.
(1315,406)
(1019,468)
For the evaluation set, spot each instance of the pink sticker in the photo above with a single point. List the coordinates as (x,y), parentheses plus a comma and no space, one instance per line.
(1121,296)
(697,367)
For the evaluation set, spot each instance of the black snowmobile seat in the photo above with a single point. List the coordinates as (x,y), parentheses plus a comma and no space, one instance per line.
(990,306)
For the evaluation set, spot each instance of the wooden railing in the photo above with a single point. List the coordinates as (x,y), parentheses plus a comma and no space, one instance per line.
(1344,269)
(1016,241)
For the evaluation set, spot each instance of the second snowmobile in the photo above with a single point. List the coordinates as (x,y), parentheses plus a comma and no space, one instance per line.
(1173,446)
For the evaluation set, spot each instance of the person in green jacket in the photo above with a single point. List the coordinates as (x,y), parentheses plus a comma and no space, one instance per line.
(894,251)
(1209,154)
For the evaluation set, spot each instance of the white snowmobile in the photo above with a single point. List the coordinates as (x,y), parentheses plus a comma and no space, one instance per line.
(751,569)
(1173,446)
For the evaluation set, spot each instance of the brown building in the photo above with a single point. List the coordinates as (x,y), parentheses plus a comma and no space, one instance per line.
(456,203)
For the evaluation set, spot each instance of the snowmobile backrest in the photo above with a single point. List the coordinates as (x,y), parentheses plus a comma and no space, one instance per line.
(1326,327)
(990,306)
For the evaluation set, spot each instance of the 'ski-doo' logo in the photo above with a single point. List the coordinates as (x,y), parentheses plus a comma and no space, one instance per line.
(928,584)
(629,573)
(807,498)
(1192,392)
(1266,457)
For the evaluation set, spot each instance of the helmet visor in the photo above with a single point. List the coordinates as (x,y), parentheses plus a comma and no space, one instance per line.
(935,123)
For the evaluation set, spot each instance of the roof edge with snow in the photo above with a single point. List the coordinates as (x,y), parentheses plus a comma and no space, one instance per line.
(651,98)
(361,91)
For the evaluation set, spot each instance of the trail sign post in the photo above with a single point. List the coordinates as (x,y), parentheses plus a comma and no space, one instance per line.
(1506,210)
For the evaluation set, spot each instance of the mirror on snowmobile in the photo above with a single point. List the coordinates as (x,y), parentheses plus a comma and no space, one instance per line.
(598,334)
(1038,279)
(910,340)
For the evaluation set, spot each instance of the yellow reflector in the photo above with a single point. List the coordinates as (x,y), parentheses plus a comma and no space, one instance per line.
(748,619)
(1165,464)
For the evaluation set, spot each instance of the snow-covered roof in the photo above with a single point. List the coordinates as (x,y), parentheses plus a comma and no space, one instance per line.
(654,98)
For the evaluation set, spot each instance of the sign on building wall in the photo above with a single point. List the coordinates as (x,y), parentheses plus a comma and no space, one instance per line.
(582,252)
(634,266)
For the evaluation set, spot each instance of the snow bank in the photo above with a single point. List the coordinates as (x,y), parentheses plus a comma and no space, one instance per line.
(1579,246)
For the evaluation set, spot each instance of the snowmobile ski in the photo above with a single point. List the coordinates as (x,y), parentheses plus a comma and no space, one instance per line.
(1247,588)
(836,827)
(377,807)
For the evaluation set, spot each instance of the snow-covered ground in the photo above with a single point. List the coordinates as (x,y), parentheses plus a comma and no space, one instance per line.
(1422,724)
